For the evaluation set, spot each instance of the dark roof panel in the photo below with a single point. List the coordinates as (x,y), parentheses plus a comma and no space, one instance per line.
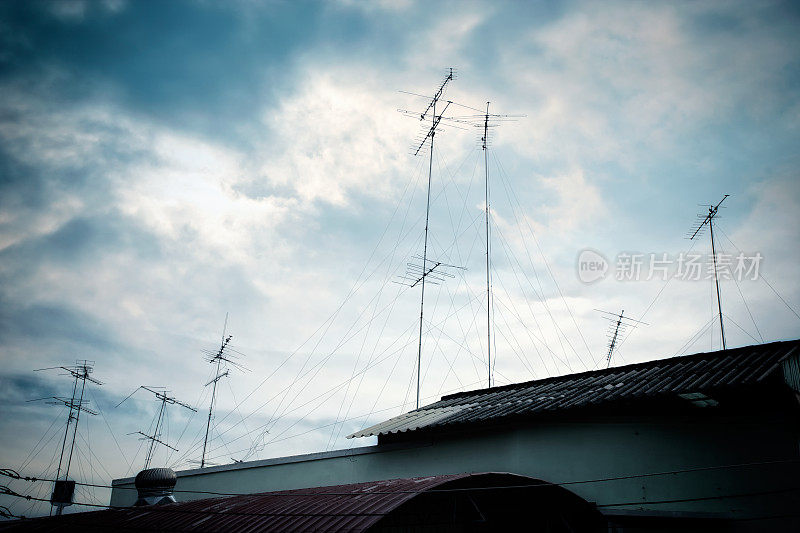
(678,375)
(353,508)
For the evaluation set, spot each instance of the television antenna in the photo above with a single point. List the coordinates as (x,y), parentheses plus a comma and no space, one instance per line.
(64,489)
(222,358)
(155,438)
(709,220)
(484,122)
(418,274)
(619,325)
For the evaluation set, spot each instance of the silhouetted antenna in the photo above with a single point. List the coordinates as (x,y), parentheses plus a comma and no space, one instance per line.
(222,356)
(619,325)
(425,268)
(484,145)
(155,438)
(486,122)
(64,489)
(489,121)
(709,219)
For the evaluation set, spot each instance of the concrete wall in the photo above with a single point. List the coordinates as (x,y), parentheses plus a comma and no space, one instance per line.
(560,452)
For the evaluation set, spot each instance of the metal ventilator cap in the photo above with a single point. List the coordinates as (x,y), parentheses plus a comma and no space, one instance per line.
(155,486)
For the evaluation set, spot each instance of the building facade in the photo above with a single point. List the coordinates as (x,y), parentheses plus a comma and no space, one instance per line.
(706,442)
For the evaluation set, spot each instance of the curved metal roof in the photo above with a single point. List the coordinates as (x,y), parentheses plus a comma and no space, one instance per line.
(678,376)
(353,508)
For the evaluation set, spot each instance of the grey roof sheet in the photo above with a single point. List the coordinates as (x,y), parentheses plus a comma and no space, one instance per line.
(691,373)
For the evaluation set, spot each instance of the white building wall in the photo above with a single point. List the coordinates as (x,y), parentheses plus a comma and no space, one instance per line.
(561,452)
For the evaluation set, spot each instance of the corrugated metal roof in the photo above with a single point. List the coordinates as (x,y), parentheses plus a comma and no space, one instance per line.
(686,374)
(413,420)
(354,508)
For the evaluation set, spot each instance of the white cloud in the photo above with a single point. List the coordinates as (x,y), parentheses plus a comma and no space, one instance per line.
(338,134)
(607,79)
(579,202)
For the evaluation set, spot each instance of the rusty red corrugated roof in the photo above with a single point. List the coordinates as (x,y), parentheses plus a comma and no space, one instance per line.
(352,508)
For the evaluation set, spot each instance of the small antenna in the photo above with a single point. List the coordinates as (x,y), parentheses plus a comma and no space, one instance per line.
(709,219)
(416,272)
(220,357)
(155,438)
(63,490)
(619,325)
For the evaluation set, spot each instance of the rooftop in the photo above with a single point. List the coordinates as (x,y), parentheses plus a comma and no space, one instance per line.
(386,505)
(692,378)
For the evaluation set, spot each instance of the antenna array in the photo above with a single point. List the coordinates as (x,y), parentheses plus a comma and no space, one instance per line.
(619,325)
(418,274)
(63,489)
(155,438)
(222,357)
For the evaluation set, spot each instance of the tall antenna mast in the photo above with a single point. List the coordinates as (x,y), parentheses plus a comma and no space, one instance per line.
(709,219)
(219,357)
(485,144)
(64,489)
(430,134)
(155,438)
(619,325)
(485,121)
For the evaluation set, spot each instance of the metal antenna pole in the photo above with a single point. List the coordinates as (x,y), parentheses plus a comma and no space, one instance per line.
(66,432)
(716,277)
(210,411)
(62,495)
(219,358)
(60,508)
(709,219)
(431,133)
(425,250)
(84,374)
(149,456)
(488,274)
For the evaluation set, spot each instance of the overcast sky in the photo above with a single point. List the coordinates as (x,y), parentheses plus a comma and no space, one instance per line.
(165,163)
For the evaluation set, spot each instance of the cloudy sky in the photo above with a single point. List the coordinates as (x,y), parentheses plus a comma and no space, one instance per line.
(163,164)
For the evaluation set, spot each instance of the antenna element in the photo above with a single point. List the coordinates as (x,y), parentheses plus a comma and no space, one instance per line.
(709,219)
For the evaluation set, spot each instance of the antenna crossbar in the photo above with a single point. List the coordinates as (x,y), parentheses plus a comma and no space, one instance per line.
(154,438)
